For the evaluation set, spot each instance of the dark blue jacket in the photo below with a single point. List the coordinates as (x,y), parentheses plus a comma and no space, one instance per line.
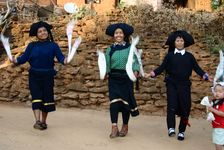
(40,55)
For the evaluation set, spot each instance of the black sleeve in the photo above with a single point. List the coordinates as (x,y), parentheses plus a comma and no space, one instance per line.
(162,67)
(196,67)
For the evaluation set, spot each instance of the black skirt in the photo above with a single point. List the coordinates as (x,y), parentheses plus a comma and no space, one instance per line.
(121,89)
(41,85)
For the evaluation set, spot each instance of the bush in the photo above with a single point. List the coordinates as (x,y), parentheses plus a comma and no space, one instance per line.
(215,43)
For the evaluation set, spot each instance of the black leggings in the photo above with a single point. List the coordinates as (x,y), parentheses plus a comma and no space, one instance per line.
(117,107)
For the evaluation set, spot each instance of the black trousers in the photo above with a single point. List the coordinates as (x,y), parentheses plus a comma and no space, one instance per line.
(178,103)
(117,107)
(42,91)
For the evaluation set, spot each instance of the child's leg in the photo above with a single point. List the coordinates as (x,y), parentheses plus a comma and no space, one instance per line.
(44,117)
(36,113)
(48,98)
(35,86)
(125,116)
(218,147)
(114,111)
(38,124)
(185,106)
(172,103)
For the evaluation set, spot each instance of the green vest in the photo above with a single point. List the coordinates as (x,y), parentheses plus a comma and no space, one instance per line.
(119,60)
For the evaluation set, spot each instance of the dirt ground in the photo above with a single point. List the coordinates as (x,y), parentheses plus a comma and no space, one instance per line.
(75,129)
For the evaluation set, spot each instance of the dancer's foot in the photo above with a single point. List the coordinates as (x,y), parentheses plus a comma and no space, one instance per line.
(171,132)
(124,130)
(114,131)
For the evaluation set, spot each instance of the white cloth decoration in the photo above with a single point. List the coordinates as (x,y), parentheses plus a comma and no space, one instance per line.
(220,69)
(205,102)
(5,42)
(138,53)
(69,31)
(72,48)
(70,8)
(210,117)
(130,58)
(102,64)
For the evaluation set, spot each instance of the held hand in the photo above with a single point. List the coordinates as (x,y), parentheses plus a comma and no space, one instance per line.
(152,74)
(106,77)
(136,74)
(210,99)
(210,109)
(65,61)
(147,75)
(211,78)
(14,60)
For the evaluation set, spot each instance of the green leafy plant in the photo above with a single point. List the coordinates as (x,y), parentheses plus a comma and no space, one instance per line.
(121,5)
(215,43)
(216,4)
(82,12)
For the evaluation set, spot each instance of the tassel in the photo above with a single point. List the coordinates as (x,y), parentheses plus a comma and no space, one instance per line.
(186,121)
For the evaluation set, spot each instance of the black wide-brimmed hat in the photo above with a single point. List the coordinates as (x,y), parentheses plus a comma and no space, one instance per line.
(35,26)
(188,39)
(127,29)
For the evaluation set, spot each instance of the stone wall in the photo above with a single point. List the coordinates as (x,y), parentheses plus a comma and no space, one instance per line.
(78,84)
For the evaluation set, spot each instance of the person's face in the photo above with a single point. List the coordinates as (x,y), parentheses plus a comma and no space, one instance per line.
(119,35)
(179,43)
(219,92)
(42,33)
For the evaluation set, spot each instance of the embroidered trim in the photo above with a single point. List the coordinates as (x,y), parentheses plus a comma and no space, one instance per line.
(36,101)
(121,100)
(46,104)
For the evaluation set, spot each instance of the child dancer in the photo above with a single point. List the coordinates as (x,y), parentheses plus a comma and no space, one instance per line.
(218,110)
(40,55)
(121,93)
(178,64)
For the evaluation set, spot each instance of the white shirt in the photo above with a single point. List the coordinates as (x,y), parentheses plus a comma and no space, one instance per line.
(179,51)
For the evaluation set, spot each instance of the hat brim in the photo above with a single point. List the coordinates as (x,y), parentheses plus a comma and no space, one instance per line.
(127,29)
(188,39)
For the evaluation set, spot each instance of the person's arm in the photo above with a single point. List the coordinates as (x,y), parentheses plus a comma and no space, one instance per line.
(198,69)
(161,68)
(60,57)
(25,56)
(107,56)
(215,111)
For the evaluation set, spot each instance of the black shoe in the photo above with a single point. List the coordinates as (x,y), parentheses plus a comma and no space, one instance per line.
(171,132)
(38,125)
(44,125)
(180,136)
